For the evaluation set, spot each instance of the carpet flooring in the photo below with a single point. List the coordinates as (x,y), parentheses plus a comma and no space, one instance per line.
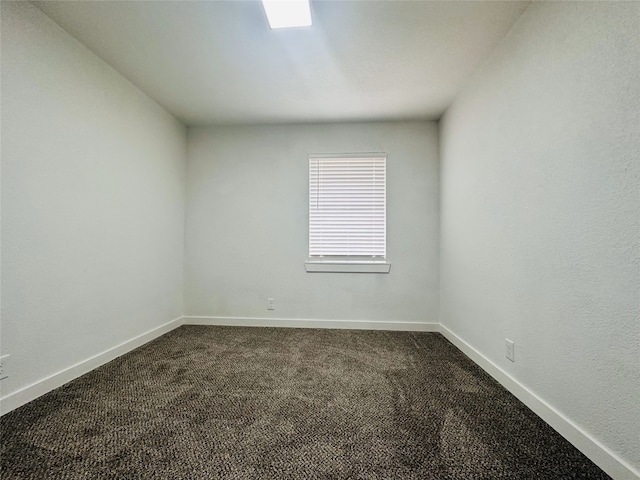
(266,403)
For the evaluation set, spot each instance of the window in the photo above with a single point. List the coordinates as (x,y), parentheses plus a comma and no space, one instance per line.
(347,213)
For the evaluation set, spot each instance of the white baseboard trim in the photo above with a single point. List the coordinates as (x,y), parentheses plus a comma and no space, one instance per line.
(31,392)
(608,461)
(311,323)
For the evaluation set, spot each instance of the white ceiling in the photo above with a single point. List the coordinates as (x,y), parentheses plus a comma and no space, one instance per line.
(217,62)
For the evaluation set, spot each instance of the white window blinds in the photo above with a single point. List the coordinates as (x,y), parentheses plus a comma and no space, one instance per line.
(347,207)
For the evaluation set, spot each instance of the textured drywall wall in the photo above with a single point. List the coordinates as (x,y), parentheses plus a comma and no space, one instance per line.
(247,224)
(540,213)
(92,203)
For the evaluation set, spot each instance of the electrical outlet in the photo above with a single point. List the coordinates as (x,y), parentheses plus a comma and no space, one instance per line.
(270,305)
(509,348)
(3,367)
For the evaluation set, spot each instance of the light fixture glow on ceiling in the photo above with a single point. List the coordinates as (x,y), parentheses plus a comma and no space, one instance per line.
(287,13)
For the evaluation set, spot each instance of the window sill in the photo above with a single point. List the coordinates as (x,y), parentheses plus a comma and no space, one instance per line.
(344,267)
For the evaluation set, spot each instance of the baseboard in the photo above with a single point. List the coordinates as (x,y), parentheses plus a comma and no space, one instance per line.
(31,392)
(311,323)
(594,450)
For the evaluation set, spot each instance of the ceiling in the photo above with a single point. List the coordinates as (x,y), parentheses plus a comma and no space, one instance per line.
(217,62)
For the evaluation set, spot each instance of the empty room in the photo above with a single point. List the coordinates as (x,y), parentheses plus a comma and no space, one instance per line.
(325,239)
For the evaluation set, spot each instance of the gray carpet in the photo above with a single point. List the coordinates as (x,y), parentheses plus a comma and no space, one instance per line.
(266,403)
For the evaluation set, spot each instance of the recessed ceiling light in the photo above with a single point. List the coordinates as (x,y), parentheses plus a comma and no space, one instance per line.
(287,13)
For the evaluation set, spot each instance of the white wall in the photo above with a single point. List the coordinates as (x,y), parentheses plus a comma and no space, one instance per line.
(93,177)
(540,214)
(247,224)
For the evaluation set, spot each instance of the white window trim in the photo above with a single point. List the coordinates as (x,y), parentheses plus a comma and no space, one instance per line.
(338,264)
(343,267)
